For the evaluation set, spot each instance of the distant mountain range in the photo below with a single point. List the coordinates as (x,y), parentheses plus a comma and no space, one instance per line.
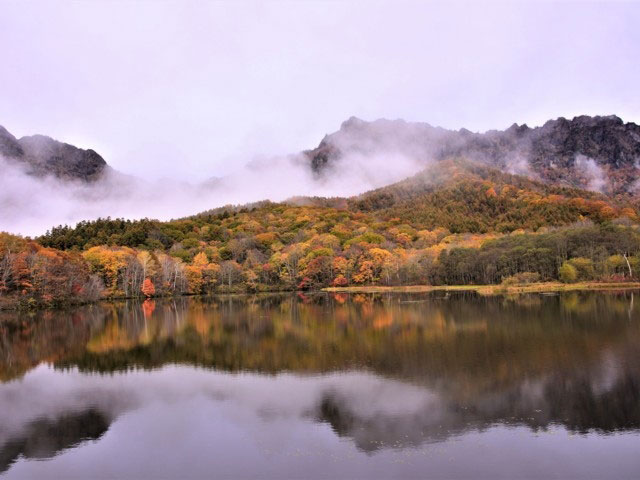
(599,153)
(595,153)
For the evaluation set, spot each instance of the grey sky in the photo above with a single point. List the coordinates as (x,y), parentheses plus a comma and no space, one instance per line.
(189,89)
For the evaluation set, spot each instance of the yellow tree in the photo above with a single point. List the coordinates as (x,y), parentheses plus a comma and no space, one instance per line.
(147,263)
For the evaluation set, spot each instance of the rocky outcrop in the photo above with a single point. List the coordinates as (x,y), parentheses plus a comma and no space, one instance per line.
(597,153)
(41,156)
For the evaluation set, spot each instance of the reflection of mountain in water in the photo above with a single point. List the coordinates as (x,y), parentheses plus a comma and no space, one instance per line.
(437,368)
(44,438)
(576,400)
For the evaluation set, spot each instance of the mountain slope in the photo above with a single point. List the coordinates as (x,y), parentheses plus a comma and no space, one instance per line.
(454,195)
(466,197)
(595,153)
(42,156)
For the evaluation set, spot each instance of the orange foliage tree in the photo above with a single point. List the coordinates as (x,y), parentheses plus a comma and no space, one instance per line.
(147,288)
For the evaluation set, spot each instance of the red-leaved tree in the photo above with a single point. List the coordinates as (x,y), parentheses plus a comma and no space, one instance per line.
(147,288)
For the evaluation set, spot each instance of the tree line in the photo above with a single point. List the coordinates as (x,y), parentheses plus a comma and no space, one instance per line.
(283,247)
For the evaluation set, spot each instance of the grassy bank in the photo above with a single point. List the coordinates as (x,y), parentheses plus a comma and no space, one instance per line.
(491,289)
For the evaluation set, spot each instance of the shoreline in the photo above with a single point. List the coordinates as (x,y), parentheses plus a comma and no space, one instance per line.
(546,287)
(486,290)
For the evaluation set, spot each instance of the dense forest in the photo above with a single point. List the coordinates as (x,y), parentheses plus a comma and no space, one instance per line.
(475,227)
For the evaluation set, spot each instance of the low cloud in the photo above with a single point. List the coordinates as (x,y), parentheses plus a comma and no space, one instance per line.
(30,205)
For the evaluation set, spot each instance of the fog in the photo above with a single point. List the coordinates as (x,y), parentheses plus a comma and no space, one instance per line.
(358,157)
(30,205)
(46,393)
(363,156)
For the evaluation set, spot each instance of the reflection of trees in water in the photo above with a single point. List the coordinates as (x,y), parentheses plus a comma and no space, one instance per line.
(27,339)
(480,343)
(44,438)
(472,339)
(525,360)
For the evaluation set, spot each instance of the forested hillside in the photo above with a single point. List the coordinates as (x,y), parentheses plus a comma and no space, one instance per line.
(467,197)
(458,224)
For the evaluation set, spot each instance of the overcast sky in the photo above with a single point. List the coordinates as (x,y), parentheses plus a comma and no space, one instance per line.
(190,89)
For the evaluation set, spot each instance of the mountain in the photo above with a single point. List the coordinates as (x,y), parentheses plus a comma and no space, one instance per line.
(465,196)
(600,153)
(42,156)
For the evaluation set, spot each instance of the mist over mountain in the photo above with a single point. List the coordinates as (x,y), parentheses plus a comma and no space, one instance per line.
(600,153)
(46,182)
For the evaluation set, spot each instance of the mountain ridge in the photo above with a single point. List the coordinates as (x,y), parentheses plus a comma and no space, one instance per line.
(600,153)
(402,159)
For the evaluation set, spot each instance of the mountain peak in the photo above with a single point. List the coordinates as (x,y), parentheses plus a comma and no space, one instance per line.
(42,156)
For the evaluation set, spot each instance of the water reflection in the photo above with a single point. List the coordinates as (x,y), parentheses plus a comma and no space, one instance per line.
(44,438)
(386,373)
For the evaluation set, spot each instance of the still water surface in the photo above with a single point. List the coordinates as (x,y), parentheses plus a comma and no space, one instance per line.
(325,386)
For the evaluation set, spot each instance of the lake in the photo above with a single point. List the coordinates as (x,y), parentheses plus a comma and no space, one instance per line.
(324,386)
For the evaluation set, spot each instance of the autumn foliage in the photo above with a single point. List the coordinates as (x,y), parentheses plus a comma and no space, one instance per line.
(457,226)
(147,288)
(32,275)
